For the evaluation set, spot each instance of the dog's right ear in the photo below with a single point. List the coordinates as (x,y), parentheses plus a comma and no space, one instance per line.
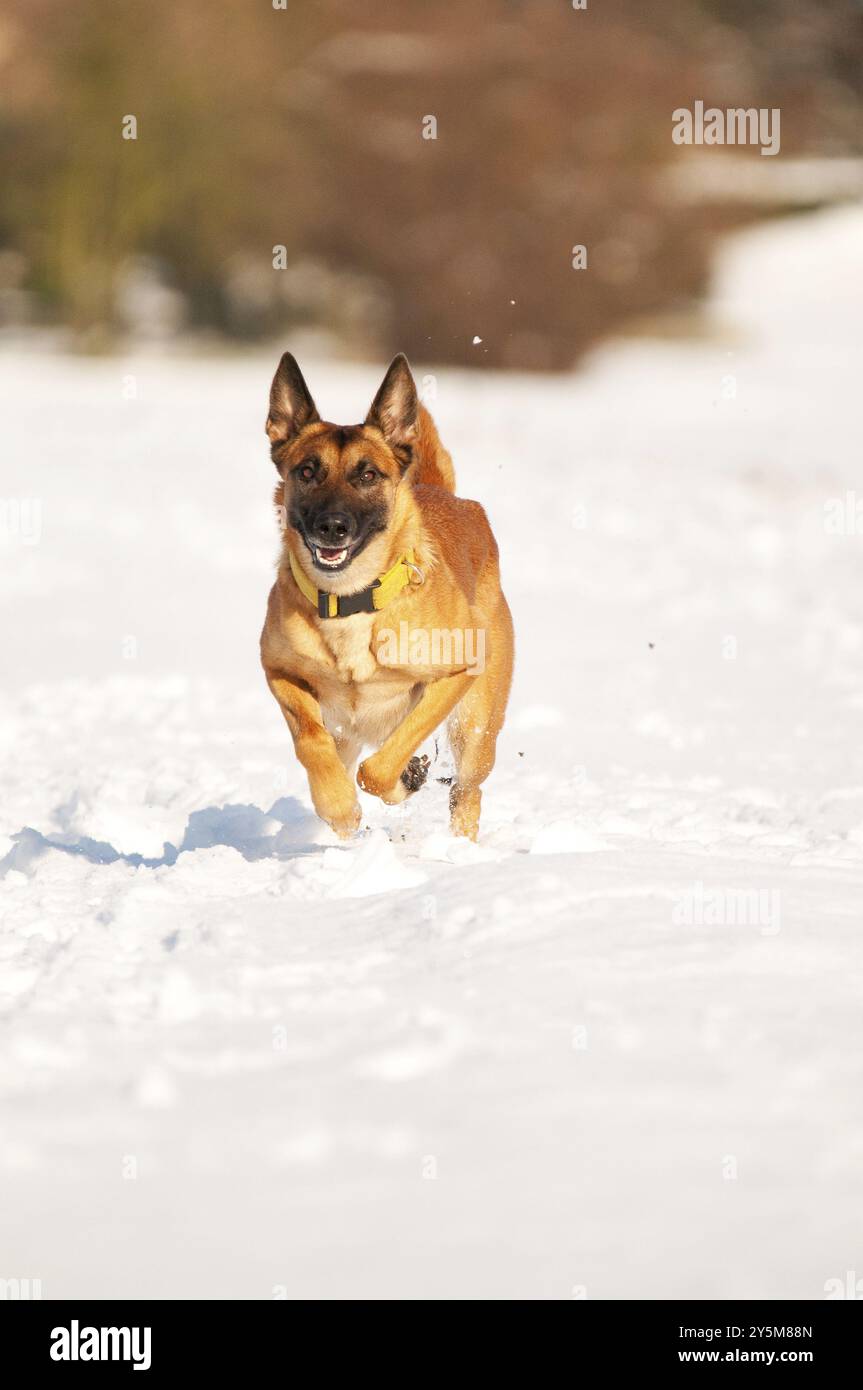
(394,409)
(291,404)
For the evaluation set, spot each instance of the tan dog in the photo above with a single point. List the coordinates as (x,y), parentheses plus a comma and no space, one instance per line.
(387,615)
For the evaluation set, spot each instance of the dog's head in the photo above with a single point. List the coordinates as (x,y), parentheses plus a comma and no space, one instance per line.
(340,483)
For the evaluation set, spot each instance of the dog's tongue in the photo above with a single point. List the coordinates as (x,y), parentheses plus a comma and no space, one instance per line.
(331,555)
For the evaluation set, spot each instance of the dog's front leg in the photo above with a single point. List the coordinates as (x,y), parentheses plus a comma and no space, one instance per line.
(333,793)
(381,773)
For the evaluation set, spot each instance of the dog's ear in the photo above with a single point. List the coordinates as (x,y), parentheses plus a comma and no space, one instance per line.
(291,404)
(394,409)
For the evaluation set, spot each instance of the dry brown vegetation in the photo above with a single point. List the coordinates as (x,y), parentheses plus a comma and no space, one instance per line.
(303,127)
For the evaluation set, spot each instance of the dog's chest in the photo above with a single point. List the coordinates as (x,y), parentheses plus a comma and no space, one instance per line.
(349,641)
(360,696)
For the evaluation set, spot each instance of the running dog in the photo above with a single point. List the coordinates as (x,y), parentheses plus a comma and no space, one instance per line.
(387,590)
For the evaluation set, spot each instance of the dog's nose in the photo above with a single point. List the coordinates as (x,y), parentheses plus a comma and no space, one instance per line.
(333,528)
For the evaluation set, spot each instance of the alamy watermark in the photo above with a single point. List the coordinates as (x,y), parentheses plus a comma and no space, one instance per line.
(17,1290)
(850,1287)
(21,520)
(729,907)
(736,125)
(77,1343)
(453,647)
(843,516)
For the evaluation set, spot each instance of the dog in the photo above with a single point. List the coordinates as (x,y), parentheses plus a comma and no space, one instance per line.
(383,569)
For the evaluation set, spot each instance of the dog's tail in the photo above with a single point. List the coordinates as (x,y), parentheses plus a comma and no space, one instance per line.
(433,463)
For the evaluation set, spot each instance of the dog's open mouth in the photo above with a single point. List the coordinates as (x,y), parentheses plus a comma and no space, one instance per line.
(328,558)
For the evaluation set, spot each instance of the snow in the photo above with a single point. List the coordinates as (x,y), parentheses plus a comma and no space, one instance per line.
(612,1047)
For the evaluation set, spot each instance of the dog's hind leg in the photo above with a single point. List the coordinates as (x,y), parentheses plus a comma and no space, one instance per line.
(474,726)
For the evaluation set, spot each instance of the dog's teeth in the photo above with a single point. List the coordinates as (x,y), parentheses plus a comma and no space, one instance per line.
(335,559)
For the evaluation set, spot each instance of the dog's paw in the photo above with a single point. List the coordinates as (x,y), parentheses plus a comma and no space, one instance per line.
(378,781)
(415,773)
(369,777)
(347,823)
(464,805)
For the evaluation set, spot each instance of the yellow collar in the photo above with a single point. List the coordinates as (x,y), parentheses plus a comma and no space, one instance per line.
(369,600)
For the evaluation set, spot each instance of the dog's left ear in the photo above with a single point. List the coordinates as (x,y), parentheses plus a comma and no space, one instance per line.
(394,409)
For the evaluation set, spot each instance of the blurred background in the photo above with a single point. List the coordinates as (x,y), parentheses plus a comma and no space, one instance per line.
(232,1051)
(305,128)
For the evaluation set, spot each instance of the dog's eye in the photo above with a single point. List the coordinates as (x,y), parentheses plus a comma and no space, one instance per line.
(306,471)
(369,476)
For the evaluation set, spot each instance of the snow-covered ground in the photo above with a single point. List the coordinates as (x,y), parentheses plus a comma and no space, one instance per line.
(238,1057)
